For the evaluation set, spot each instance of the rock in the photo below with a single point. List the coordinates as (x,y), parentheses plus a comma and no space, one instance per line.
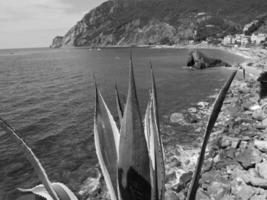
(225,142)
(171,195)
(192,110)
(252,26)
(90,186)
(259,197)
(198,60)
(207,165)
(243,145)
(171,177)
(184,180)
(202,104)
(218,190)
(246,192)
(258,115)
(202,195)
(192,119)
(175,163)
(261,169)
(57,42)
(264,122)
(178,118)
(255,181)
(186,177)
(216,158)
(249,157)
(255,107)
(261,145)
(235,143)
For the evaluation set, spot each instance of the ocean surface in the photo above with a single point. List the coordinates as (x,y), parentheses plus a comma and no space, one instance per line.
(48,96)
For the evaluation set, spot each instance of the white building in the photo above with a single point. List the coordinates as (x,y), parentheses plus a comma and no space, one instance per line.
(227,40)
(245,40)
(258,38)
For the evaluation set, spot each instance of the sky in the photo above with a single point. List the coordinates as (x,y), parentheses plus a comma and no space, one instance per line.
(34,23)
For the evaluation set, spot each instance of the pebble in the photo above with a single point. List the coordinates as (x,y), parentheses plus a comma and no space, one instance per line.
(178,118)
(249,157)
(171,195)
(261,145)
(255,107)
(261,169)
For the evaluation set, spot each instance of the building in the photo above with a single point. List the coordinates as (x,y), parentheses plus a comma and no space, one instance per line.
(245,40)
(258,38)
(238,39)
(227,40)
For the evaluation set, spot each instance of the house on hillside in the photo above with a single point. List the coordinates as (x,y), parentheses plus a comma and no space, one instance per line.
(245,40)
(227,40)
(258,38)
(238,39)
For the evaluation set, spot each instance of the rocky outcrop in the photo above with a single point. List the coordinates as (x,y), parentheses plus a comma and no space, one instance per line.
(144,22)
(57,42)
(198,60)
(252,26)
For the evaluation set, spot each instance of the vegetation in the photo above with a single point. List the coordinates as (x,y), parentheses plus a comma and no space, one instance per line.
(127,156)
(132,158)
(48,189)
(218,18)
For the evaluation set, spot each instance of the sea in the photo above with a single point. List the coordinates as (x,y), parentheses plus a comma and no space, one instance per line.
(47,95)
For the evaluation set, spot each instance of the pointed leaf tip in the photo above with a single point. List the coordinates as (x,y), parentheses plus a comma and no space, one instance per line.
(155,149)
(212,119)
(38,168)
(106,136)
(134,164)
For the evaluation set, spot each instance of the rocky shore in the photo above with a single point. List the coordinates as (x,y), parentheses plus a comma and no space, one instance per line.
(235,165)
(236,159)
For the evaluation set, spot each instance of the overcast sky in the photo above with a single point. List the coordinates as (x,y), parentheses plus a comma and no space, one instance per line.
(34,23)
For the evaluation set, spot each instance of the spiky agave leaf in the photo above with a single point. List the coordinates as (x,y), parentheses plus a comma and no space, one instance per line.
(134,165)
(119,104)
(106,136)
(212,119)
(31,158)
(159,154)
(155,147)
(62,191)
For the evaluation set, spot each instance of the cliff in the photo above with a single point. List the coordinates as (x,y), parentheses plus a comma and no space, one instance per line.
(142,22)
(57,42)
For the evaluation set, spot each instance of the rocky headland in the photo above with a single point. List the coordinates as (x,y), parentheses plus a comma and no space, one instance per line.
(153,22)
(198,60)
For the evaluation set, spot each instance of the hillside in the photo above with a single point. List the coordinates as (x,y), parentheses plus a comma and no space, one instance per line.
(162,22)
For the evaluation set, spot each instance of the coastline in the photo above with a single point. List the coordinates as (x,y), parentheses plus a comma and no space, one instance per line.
(237,152)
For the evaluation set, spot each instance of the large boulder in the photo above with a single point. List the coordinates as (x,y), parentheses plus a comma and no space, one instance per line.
(198,60)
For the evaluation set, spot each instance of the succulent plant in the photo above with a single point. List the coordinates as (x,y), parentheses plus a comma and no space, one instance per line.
(48,189)
(128,156)
(212,119)
(131,159)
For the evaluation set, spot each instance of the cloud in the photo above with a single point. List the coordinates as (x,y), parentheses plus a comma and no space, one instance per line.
(26,18)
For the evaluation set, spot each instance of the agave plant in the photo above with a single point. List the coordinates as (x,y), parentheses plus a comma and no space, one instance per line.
(48,190)
(131,159)
(212,119)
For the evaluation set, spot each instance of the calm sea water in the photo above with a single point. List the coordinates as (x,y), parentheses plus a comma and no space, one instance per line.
(48,96)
